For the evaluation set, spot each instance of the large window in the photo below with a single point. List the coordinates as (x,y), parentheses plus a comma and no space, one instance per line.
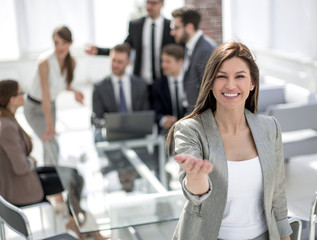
(26,25)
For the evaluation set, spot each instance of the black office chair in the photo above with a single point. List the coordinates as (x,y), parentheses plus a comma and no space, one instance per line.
(296,226)
(18,222)
(312,219)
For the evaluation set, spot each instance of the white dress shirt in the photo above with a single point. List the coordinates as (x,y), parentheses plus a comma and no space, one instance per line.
(126,85)
(146,65)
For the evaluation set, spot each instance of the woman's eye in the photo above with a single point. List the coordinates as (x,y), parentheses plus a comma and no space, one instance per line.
(240,76)
(221,76)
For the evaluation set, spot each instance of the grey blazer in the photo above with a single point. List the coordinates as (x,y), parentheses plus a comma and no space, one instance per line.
(198,60)
(103,98)
(202,215)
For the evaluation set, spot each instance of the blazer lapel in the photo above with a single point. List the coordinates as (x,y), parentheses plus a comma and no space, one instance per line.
(265,151)
(134,94)
(110,98)
(216,153)
(193,56)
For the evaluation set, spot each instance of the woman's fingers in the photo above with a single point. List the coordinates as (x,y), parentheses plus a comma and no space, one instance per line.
(193,165)
(207,167)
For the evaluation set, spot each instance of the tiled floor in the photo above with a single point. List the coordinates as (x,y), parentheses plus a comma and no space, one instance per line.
(301,172)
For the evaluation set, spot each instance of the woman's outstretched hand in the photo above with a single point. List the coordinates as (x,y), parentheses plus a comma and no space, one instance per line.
(197,171)
(193,166)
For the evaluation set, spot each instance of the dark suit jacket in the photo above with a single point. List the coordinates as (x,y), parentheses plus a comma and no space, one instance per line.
(193,76)
(162,101)
(135,38)
(104,101)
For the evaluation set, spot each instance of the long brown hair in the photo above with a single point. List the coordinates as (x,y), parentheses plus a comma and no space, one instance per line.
(9,88)
(206,99)
(68,66)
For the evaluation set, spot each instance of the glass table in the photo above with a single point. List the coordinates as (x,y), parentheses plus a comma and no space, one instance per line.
(96,196)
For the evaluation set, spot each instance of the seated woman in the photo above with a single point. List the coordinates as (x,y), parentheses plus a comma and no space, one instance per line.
(20,183)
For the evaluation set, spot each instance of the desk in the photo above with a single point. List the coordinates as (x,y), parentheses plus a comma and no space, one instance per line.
(97,208)
(126,148)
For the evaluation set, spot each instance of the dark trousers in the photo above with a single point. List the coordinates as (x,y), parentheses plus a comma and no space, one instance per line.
(50,181)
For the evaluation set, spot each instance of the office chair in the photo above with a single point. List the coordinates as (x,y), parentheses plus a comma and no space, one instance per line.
(296,226)
(312,219)
(18,222)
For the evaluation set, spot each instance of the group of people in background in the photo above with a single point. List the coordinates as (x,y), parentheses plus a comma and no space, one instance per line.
(165,51)
(231,159)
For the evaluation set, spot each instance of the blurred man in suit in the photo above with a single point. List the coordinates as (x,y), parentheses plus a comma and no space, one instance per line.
(145,32)
(198,48)
(168,91)
(119,92)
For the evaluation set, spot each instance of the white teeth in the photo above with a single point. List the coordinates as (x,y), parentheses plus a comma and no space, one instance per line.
(230,94)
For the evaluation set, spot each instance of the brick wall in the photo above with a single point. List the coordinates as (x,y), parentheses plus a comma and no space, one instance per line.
(211,22)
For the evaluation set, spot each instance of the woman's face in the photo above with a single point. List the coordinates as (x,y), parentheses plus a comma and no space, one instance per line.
(61,46)
(232,84)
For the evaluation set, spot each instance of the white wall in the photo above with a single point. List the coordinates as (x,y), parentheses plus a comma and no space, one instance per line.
(282,33)
(26,27)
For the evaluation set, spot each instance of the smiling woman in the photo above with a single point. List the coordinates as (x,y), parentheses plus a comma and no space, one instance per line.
(232,164)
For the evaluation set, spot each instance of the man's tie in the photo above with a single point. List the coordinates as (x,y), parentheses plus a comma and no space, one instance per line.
(153,50)
(178,107)
(123,106)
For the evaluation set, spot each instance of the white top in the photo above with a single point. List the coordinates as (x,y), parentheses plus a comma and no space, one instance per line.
(244,213)
(146,65)
(56,80)
(126,86)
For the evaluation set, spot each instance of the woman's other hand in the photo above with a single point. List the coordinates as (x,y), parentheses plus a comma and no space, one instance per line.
(34,160)
(49,133)
(79,97)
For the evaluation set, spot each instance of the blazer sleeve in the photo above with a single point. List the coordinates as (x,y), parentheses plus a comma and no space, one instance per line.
(188,140)
(129,38)
(279,204)
(13,145)
(103,51)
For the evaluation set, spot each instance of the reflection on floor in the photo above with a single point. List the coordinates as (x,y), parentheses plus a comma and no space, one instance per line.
(72,126)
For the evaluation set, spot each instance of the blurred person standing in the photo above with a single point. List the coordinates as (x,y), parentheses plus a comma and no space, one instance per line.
(55,73)
(198,48)
(168,91)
